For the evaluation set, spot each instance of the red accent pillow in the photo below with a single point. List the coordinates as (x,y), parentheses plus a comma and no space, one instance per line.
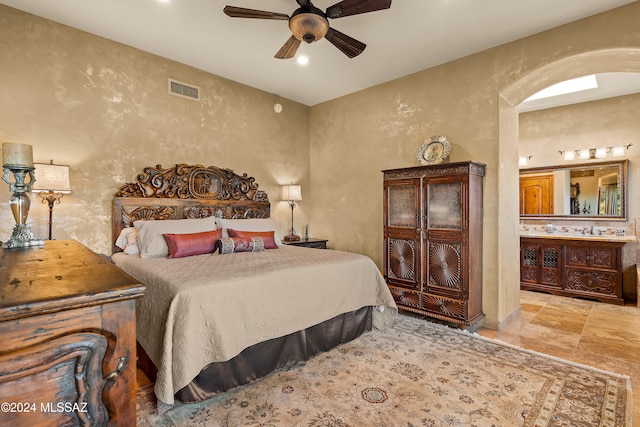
(267,236)
(184,245)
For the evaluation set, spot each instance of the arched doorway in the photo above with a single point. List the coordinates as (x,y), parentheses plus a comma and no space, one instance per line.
(601,61)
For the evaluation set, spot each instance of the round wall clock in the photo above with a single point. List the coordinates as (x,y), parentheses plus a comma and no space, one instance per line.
(433,151)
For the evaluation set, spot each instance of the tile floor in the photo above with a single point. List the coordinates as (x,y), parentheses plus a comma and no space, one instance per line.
(604,336)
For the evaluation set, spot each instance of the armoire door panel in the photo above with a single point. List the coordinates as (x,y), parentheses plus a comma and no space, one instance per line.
(444,268)
(403,262)
(444,205)
(402,203)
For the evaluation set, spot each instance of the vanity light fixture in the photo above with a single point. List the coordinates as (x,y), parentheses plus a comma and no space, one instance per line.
(593,153)
(522,161)
(619,151)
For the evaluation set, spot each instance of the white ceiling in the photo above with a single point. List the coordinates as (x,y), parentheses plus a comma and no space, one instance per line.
(410,36)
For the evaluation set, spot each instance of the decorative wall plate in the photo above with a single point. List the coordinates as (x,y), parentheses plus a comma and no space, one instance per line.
(433,151)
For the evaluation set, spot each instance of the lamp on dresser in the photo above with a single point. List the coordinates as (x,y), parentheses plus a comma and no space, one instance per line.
(52,182)
(17,159)
(292,194)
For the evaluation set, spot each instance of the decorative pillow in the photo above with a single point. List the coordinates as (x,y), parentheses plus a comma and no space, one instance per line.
(188,244)
(251,224)
(150,233)
(267,236)
(128,241)
(228,245)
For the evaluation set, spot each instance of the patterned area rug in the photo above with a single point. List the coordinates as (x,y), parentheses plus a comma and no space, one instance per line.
(416,373)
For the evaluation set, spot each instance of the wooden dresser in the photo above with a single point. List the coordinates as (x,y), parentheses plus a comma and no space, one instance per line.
(67,338)
(433,240)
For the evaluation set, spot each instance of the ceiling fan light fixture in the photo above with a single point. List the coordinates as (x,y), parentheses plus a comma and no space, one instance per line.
(308,26)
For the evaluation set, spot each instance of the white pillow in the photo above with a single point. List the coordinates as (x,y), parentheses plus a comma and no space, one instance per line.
(150,233)
(128,241)
(251,224)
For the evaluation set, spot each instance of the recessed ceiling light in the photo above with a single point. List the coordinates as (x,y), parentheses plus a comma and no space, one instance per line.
(302,60)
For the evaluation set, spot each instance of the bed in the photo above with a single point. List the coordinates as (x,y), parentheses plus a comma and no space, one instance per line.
(226,302)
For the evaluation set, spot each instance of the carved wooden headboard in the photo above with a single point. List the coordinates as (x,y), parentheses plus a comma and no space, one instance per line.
(187,191)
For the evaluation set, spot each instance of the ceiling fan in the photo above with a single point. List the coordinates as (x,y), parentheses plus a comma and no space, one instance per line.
(310,24)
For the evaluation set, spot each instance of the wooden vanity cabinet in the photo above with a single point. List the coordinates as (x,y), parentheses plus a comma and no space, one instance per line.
(541,263)
(68,343)
(590,269)
(594,268)
(433,240)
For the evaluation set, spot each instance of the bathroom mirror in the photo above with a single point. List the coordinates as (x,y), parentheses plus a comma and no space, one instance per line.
(579,191)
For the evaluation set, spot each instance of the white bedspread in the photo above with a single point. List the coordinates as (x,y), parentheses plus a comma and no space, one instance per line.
(208,308)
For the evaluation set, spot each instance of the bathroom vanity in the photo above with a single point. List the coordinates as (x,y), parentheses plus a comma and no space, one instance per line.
(588,266)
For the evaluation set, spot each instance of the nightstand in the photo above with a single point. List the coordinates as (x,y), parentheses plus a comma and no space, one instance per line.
(309,243)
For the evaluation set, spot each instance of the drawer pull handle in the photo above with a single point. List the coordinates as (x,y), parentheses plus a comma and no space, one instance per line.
(119,369)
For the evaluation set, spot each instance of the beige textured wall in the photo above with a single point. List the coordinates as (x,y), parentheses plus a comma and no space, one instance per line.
(471,101)
(103,108)
(604,123)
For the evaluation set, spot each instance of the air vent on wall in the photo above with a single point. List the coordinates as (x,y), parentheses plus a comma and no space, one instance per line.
(184,90)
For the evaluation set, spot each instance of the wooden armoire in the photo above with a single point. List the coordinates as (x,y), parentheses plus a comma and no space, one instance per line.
(433,240)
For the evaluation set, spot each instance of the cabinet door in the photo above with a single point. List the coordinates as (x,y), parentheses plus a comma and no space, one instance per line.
(59,382)
(530,262)
(446,238)
(593,268)
(590,256)
(445,272)
(540,264)
(445,199)
(604,258)
(578,256)
(551,274)
(402,232)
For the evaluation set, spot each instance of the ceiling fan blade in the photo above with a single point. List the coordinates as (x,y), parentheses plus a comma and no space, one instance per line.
(304,3)
(289,49)
(354,7)
(347,45)
(241,12)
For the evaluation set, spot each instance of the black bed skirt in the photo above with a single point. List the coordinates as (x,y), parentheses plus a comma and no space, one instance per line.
(279,353)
